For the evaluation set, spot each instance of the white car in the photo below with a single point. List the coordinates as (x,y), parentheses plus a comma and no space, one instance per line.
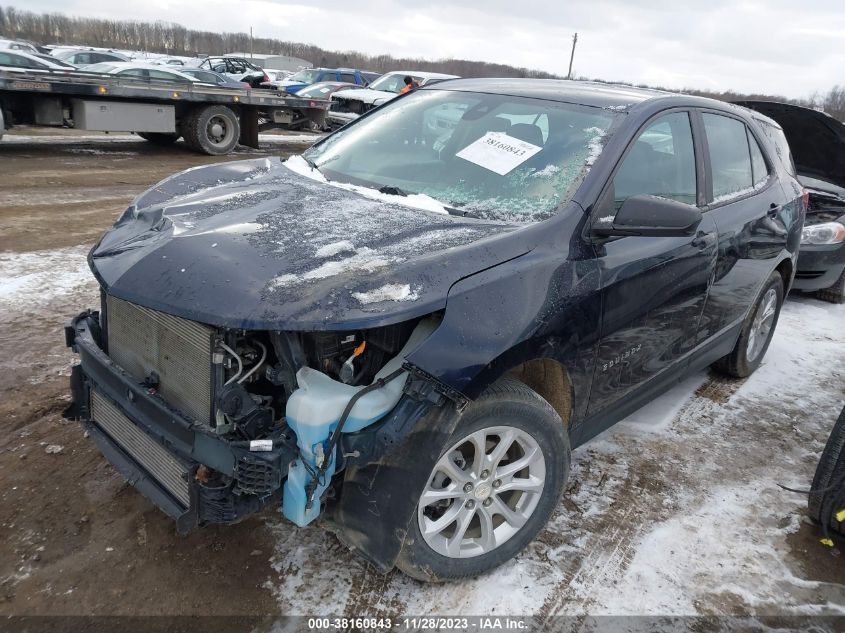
(350,104)
(14,45)
(31,62)
(80,58)
(143,72)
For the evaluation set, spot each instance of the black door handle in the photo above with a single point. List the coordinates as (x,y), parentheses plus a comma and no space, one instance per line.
(773,210)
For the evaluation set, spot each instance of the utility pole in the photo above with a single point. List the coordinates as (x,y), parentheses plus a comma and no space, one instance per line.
(572,56)
(250,48)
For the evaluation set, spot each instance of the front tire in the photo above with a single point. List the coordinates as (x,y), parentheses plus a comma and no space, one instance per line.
(756,332)
(496,483)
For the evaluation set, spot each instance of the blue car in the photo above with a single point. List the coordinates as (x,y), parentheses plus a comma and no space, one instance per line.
(309,76)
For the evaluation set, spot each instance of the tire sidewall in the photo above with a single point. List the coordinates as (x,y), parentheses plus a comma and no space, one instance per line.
(200,122)
(535,418)
(747,367)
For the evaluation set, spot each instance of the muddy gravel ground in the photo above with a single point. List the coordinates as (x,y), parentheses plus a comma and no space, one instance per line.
(674,511)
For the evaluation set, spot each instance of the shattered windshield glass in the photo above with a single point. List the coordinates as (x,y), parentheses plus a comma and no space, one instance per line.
(496,157)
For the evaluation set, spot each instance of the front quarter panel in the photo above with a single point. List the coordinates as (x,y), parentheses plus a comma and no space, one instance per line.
(544,304)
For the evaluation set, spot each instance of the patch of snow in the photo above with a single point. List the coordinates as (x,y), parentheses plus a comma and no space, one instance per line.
(547,172)
(54,448)
(329,250)
(389,292)
(595,136)
(39,277)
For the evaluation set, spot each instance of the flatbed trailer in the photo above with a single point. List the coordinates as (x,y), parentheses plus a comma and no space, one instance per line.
(210,119)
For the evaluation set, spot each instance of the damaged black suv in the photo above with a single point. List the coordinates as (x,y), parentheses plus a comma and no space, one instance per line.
(407,328)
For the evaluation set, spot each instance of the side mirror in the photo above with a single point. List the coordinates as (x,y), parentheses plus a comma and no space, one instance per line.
(650,216)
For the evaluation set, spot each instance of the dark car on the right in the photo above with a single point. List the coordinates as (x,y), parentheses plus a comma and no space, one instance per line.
(817,141)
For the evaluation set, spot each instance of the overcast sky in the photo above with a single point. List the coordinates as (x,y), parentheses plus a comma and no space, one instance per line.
(781,47)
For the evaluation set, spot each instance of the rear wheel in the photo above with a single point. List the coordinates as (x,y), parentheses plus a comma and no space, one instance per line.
(493,488)
(158,138)
(213,130)
(756,332)
(834,294)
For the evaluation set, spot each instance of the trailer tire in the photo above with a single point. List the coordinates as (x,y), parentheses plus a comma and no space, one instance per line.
(213,130)
(157,138)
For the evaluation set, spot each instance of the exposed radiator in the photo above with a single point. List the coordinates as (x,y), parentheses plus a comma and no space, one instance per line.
(155,459)
(142,341)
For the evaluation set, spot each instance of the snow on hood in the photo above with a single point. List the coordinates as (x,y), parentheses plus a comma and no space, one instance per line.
(262,244)
(366,95)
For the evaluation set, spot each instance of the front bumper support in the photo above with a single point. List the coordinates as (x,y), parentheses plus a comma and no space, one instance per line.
(241,481)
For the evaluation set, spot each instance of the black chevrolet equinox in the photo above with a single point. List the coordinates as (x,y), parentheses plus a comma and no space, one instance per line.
(406,329)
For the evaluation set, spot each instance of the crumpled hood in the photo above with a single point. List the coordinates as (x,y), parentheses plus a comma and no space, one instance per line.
(366,95)
(254,245)
(817,140)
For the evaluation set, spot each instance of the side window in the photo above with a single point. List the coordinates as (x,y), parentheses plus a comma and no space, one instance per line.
(137,73)
(160,74)
(758,164)
(84,58)
(730,158)
(661,162)
(5,59)
(348,78)
(237,66)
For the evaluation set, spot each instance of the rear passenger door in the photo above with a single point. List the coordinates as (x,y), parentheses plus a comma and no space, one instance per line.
(653,288)
(745,200)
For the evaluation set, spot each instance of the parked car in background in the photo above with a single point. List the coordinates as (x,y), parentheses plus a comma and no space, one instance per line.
(16,45)
(81,58)
(309,76)
(213,78)
(353,103)
(274,74)
(143,72)
(236,68)
(31,61)
(817,142)
(324,89)
(409,341)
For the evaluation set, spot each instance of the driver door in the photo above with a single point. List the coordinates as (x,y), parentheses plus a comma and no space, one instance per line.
(653,288)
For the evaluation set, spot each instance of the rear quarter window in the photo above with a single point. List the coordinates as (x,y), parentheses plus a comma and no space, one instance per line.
(778,139)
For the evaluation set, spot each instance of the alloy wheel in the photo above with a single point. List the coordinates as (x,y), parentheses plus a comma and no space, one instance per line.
(761,326)
(481,492)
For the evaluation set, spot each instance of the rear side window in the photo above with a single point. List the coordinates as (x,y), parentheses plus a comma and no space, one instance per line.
(778,139)
(348,78)
(730,158)
(758,164)
(661,162)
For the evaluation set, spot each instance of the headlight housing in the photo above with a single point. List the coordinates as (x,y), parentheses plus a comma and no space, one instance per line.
(824,233)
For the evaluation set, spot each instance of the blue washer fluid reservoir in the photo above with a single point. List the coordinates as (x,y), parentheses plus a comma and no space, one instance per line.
(313,412)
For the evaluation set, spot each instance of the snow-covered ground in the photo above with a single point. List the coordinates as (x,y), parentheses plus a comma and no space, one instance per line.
(673,511)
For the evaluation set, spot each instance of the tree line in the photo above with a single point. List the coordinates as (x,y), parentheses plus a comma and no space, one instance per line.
(174,39)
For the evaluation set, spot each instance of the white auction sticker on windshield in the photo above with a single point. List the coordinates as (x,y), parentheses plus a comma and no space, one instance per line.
(498,152)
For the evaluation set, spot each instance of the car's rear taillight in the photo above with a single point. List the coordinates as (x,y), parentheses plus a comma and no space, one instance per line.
(312,104)
(805,199)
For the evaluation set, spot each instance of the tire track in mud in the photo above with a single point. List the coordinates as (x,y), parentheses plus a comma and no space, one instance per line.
(612,540)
